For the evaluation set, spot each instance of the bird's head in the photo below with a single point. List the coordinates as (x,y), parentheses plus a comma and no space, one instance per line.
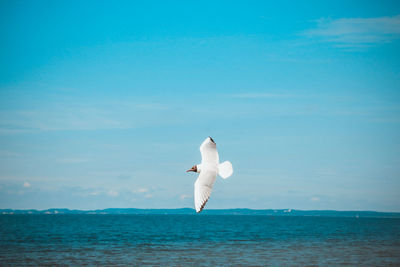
(193,169)
(208,142)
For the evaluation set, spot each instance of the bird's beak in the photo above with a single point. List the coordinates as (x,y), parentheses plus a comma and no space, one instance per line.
(193,169)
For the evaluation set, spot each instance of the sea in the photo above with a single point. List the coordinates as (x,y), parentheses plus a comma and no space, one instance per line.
(197,240)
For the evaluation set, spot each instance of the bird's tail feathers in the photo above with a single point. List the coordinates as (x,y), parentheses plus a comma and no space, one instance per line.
(225,169)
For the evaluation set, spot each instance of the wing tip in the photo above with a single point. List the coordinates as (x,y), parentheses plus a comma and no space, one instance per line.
(202,206)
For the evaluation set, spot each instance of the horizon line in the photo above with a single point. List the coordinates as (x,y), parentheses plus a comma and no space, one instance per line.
(224,209)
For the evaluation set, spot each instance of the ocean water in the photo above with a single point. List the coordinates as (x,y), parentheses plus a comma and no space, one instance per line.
(217,240)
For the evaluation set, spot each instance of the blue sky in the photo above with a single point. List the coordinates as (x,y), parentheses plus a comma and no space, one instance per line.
(105,103)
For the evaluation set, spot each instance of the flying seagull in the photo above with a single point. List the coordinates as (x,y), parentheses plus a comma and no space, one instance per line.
(208,169)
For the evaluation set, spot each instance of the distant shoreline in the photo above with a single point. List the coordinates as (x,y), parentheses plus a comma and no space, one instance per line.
(189,211)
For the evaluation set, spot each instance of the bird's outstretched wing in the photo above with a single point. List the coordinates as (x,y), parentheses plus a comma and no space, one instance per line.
(203,188)
(209,153)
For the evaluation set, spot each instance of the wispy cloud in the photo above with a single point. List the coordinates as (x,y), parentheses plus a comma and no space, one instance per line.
(152,106)
(314,199)
(113,193)
(73,160)
(7,153)
(142,190)
(184,196)
(83,116)
(261,95)
(124,176)
(26,185)
(356,32)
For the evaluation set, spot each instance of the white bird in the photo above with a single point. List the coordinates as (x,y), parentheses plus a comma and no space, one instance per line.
(208,169)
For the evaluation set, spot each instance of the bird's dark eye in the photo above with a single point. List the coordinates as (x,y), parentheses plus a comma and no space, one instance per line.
(212,140)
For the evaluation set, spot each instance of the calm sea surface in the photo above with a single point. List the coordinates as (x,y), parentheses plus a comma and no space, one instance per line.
(197,240)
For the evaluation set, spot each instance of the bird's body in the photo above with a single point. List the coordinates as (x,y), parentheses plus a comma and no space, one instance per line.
(208,169)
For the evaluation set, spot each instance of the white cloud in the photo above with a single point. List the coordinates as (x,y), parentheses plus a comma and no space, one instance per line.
(26,185)
(113,193)
(182,197)
(314,199)
(357,32)
(142,190)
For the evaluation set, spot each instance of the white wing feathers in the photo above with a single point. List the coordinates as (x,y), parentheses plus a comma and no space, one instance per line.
(209,153)
(225,169)
(203,188)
